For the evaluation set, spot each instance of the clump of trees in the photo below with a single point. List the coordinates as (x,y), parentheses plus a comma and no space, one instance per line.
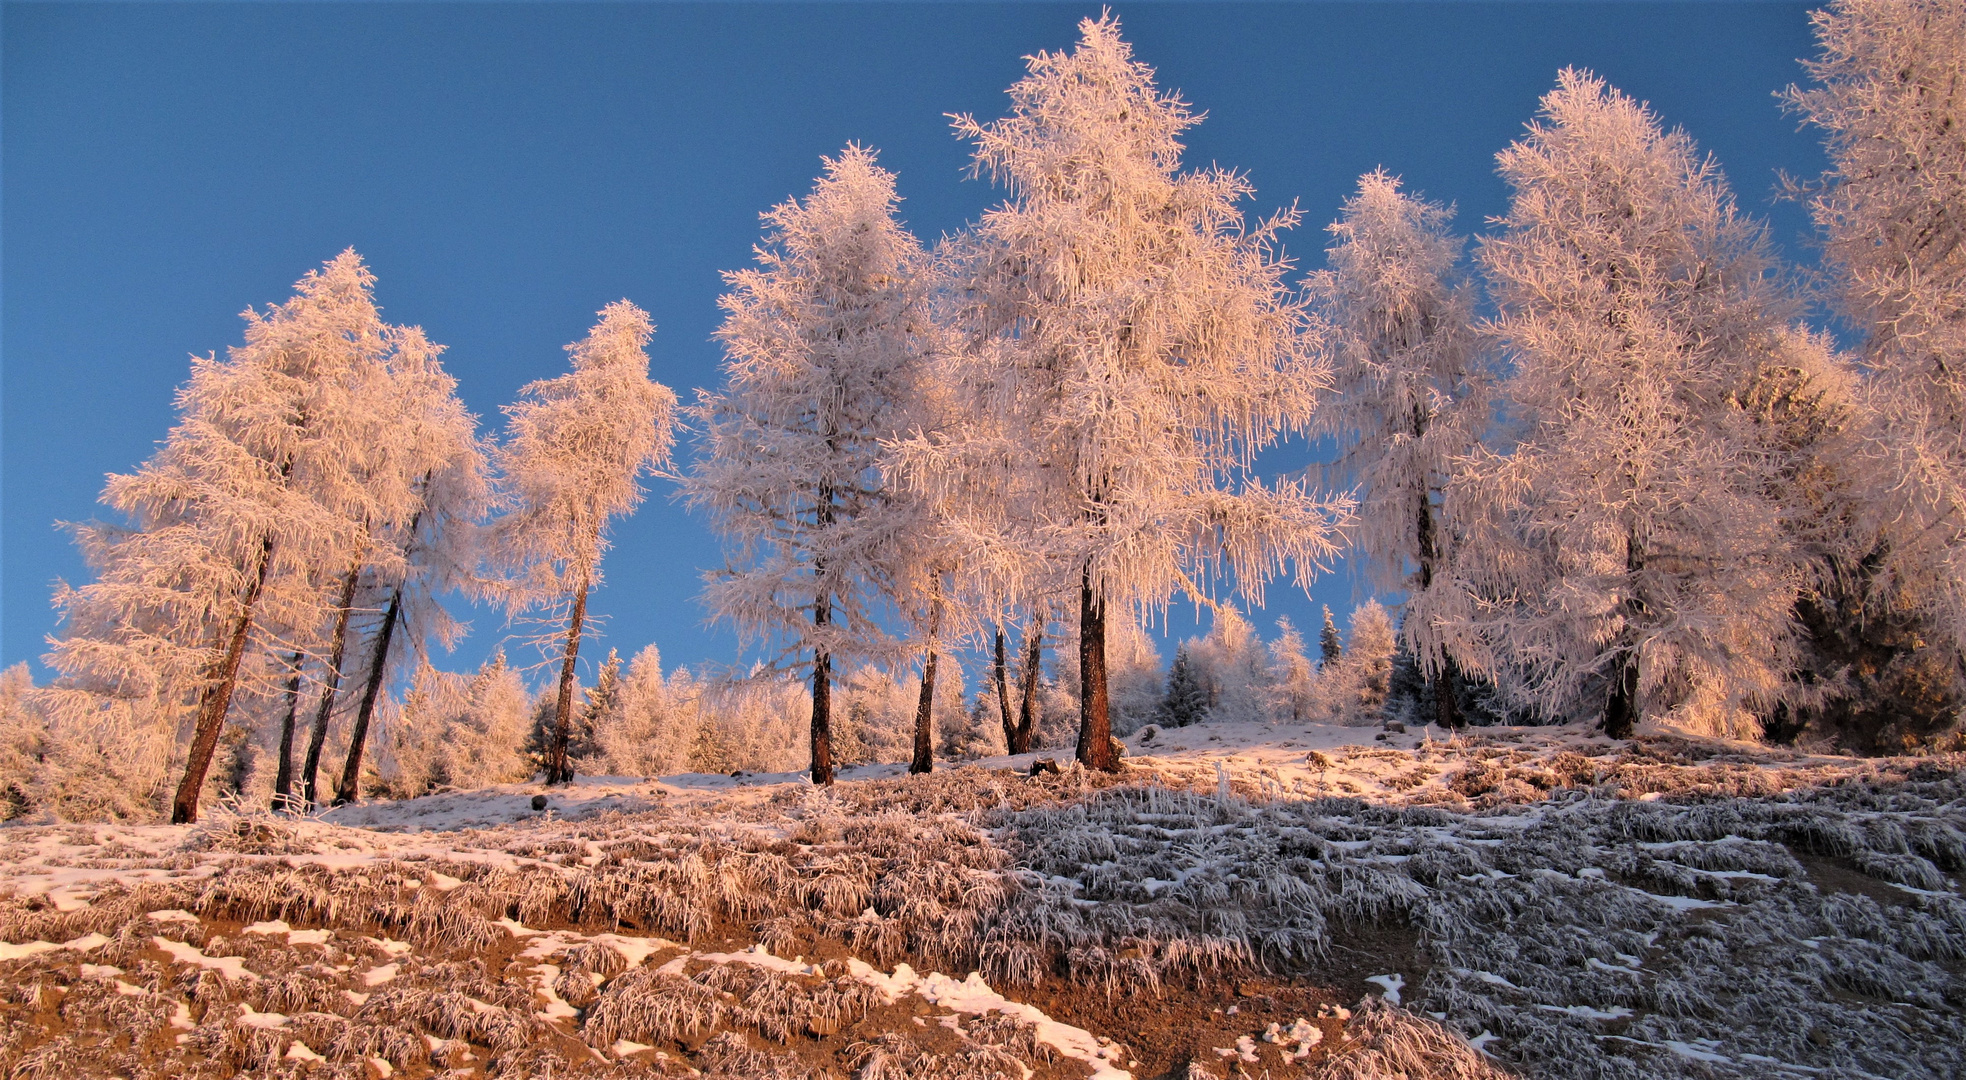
(1612,469)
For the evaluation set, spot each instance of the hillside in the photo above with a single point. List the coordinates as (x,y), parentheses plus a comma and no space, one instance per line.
(1240,901)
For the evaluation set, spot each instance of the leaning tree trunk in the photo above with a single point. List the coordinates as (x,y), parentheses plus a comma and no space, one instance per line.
(1003,697)
(310,773)
(924,760)
(1027,709)
(1095,721)
(217,696)
(283,779)
(1621,712)
(1447,710)
(347,789)
(558,770)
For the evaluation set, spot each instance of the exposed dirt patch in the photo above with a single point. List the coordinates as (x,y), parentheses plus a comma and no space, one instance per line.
(1830,874)
(1165,1032)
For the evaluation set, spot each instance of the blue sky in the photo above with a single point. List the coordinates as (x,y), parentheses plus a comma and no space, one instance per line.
(508,169)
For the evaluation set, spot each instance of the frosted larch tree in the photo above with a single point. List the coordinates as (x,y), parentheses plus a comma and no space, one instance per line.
(1352,689)
(575,449)
(260,482)
(423,477)
(1132,345)
(1295,674)
(1890,98)
(823,342)
(437,455)
(1408,395)
(1625,560)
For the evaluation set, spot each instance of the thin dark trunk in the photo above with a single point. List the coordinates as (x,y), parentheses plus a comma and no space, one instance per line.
(283,779)
(1621,712)
(1027,709)
(558,770)
(217,697)
(924,760)
(1447,710)
(925,720)
(310,773)
(1003,697)
(822,660)
(822,713)
(348,790)
(1095,722)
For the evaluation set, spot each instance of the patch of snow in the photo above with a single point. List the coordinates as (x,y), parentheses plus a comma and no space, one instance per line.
(85,943)
(251,1018)
(1393,984)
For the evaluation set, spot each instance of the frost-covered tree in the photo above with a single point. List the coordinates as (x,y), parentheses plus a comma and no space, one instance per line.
(1352,689)
(1186,698)
(1131,347)
(646,734)
(1329,646)
(1408,394)
(1134,675)
(1234,668)
(1295,673)
(977,735)
(1890,98)
(264,480)
(824,344)
(1626,559)
(434,453)
(457,731)
(575,449)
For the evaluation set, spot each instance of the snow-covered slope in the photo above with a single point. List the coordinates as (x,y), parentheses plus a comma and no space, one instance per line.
(1569,906)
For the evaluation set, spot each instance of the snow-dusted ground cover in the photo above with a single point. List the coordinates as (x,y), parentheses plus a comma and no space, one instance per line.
(1568,906)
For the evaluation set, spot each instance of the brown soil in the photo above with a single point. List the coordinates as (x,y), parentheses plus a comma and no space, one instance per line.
(1182,1024)
(1830,874)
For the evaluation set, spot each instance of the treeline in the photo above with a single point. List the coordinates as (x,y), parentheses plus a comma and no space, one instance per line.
(1610,464)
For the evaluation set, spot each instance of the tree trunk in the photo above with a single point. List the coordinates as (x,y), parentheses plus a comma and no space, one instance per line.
(1027,708)
(217,696)
(1621,712)
(924,760)
(925,720)
(283,779)
(822,716)
(347,790)
(1003,697)
(310,774)
(1095,722)
(558,770)
(1447,710)
(822,660)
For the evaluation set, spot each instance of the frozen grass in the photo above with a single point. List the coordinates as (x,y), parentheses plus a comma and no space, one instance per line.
(1571,932)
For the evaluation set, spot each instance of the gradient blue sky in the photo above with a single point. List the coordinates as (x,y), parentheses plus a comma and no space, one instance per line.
(507,169)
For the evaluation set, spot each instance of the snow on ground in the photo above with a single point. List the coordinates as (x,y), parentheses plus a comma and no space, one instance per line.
(1540,900)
